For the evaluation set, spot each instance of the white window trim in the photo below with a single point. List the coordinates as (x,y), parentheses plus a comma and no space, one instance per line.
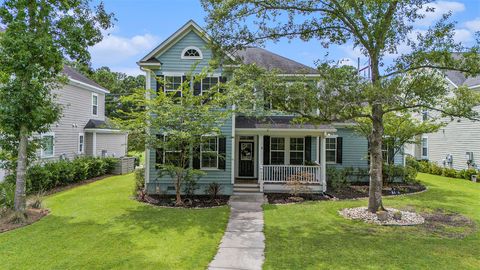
(296,151)
(201,83)
(192,57)
(172,75)
(42,152)
(82,151)
(201,155)
(331,162)
(94,95)
(284,150)
(165,151)
(421,147)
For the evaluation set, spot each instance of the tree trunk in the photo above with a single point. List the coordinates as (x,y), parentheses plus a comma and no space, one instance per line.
(178,200)
(376,161)
(20,203)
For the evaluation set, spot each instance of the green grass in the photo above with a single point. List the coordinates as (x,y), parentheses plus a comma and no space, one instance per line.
(314,236)
(97,226)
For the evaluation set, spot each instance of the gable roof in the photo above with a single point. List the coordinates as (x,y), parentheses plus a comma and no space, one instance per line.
(249,55)
(458,78)
(81,80)
(270,61)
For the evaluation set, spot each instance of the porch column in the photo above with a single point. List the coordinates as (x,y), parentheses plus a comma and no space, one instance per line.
(260,161)
(323,165)
(94,142)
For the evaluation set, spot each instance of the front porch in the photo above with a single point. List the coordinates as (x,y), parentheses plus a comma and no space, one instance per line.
(269,156)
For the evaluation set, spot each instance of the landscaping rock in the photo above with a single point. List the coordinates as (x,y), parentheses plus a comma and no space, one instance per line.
(362,213)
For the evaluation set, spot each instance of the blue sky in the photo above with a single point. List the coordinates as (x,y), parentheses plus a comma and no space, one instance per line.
(143,24)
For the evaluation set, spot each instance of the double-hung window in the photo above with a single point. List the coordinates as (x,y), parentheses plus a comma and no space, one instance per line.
(424,144)
(171,155)
(94,104)
(208,83)
(209,153)
(48,145)
(173,84)
(297,151)
(277,151)
(81,143)
(331,150)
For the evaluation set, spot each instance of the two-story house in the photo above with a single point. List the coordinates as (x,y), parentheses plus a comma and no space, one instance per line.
(260,155)
(457,145)
(83,129)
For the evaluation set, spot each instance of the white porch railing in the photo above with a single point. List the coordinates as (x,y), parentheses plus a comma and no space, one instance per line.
(282,173)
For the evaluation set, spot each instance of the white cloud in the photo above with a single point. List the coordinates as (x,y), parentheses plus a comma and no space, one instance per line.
(115,49)
(463,35)
(473,25)
(441,7)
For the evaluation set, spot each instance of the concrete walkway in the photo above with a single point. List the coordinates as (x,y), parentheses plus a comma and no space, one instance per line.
(243,244)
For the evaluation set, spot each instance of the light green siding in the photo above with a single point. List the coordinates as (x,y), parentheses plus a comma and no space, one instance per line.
(172,62)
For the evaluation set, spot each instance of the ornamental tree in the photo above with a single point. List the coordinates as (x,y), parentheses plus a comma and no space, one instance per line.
(409,82)
(39,35)
(176,124)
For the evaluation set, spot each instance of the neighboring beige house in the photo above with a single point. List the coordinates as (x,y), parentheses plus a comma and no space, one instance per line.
(83,129)
(456,145)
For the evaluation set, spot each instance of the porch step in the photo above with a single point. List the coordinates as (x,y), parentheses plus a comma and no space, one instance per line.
(246,188)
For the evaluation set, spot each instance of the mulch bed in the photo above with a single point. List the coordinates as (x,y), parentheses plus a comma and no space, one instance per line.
(350,192)
(33,215)
(361,191)
(448,224)
(282,198)
(197,201)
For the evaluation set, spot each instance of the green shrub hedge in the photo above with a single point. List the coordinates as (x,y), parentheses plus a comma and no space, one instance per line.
(44,177)
(432,168)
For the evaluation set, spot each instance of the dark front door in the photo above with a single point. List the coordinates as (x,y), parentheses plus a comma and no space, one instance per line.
(246,161)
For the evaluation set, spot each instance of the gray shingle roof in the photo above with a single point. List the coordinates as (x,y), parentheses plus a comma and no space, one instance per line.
(458,78)
(99,124)
(270,61)
(274,122)
(73,74)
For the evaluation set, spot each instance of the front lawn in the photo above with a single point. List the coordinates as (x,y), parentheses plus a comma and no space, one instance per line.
(97,226)
(314,236)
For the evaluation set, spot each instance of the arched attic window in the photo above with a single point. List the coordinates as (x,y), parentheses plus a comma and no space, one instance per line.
(192,52)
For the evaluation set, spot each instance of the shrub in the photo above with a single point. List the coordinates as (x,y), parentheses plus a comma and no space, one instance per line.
(36,201)
(468,174)
(410,174)
(139,181)
(39,178)
(213,189)
(336,179)
(435,169)
(449,172)
(7,195)
(80,169)
(412,162)
(460,174)
(296,183)
(110,163)
(190,185)
(392,172)
(424,166)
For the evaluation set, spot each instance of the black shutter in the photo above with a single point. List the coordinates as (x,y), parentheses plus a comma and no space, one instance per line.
(197,88)
(308,149)
(222,81)
(159,83)
(319,154)
(222,150)
(159,152)
(391,154)
(339,150)
(196,157)
(266,150)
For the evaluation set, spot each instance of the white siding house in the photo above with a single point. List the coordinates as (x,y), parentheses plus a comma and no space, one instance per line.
(83,128)
(458,143)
